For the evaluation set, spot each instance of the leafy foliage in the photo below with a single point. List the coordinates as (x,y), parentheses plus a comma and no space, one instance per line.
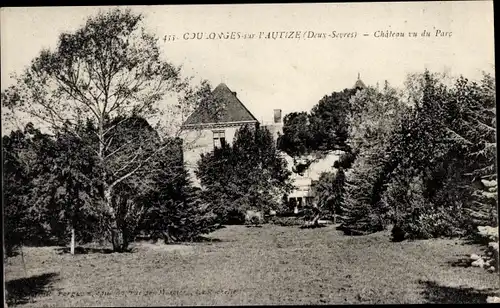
(375,115)
(177,211)
(67,185)
(107,74)
(52,185)
(296,139)
(329,192)
(345,161)
(22,220)
(247,175)
(419,172)
(325,128)
(329,120)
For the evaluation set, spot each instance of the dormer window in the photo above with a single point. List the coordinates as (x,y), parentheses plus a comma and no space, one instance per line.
(219,138)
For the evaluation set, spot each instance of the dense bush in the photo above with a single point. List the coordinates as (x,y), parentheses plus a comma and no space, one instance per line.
(296,139)
(176,211)
(250,174)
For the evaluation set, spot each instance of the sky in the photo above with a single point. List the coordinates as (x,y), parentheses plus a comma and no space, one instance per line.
(288,74)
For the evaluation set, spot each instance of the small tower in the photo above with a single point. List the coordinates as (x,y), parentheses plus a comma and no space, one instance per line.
(360,85)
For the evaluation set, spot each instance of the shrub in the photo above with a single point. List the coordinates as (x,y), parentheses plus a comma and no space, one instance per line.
(253,218)
(287,221)
(416,217)
(249,174)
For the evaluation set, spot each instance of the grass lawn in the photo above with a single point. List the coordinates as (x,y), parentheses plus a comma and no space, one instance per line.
(268,265)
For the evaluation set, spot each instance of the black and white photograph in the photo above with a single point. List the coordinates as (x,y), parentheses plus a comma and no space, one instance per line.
(249,154)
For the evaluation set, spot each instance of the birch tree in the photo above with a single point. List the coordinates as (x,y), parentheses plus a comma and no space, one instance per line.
(110,68)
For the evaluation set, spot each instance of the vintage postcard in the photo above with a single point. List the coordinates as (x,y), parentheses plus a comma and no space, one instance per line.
(249,154)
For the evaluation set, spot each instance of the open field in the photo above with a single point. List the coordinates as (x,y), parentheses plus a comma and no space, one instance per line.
(268,265)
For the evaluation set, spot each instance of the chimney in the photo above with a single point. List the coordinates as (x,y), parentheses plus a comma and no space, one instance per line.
(234,93)
(277,115)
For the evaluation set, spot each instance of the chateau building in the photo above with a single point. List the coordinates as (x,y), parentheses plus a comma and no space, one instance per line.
(206,128)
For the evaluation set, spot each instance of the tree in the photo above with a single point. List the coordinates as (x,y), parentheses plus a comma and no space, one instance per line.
(25,216)
(422,165)
(359,214)
(215,171)
(135,140)
(325,128)
(69,184)
(296,139)
(471,121)
(428,146)
(15,187)
(250,174)
(328,121)
(329,193)
(177,211)
(109,69)
(374,116)
(436,142)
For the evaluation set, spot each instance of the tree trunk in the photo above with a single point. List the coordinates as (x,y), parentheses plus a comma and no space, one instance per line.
(22,259)
(168,236)
(315,220)
(116,233)
(117,238)
(72,247)
(6,293)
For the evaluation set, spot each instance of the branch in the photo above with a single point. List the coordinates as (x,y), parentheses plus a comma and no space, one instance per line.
(127,164)
(118,149)
(115,125)
(83,99)
(124,177)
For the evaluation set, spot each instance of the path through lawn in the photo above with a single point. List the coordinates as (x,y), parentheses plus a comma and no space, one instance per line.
(268,265)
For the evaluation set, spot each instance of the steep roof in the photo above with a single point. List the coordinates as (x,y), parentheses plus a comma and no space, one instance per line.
(232,109)
(359,84)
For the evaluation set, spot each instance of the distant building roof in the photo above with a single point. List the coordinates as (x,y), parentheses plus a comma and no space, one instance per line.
(359,84)
(231,109)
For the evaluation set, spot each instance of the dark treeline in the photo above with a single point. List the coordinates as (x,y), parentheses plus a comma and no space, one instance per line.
(52,188)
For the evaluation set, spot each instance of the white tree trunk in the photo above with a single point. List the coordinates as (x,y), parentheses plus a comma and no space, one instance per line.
(5,292)
(72,247)
(116,234)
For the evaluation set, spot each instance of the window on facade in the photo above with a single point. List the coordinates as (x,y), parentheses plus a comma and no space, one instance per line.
(219,138)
